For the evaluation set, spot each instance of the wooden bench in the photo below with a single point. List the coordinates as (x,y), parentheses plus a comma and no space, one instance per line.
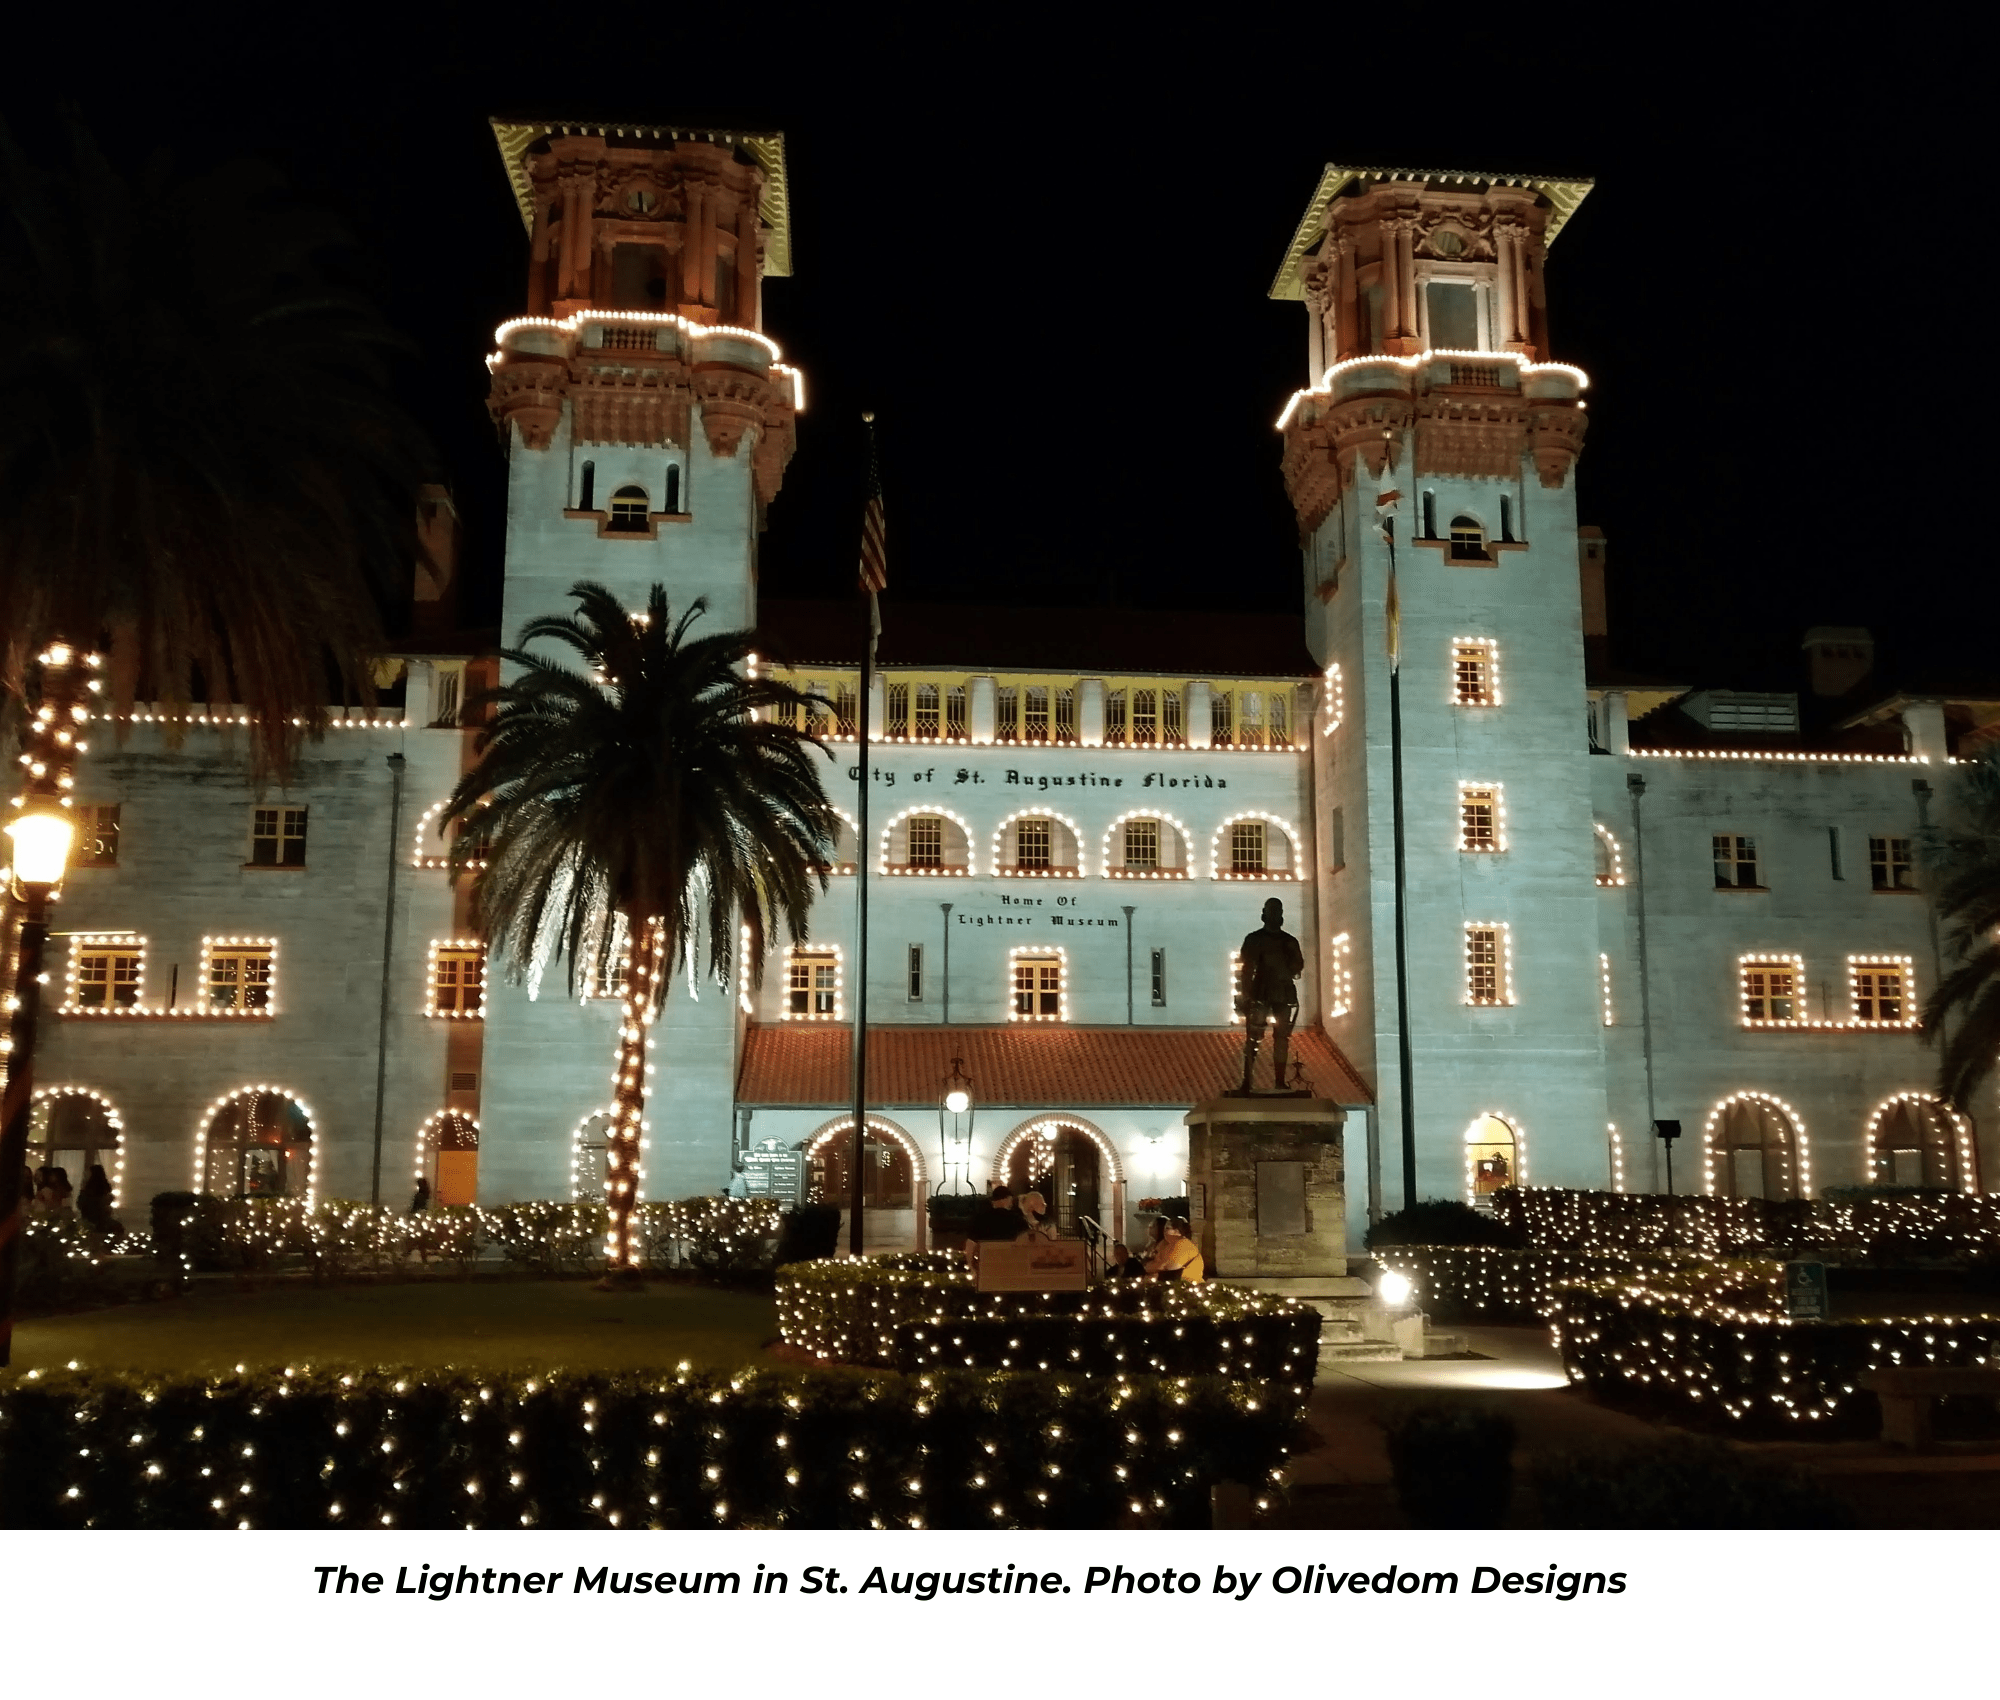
(1907,1394)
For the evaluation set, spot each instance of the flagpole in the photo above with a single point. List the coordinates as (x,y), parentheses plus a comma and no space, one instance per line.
(1405,1066)
(870,580)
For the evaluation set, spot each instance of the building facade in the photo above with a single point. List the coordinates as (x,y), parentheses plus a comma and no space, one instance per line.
(1624,901)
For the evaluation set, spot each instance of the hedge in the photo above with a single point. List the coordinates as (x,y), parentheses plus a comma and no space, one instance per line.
(324,1448)
(920,1311)
(1491,1284)
(1669,1350)
(1885,1222)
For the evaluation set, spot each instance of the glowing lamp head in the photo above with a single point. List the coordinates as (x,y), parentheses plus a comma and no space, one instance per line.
(42,839)
(958,1101)
(1393,1288)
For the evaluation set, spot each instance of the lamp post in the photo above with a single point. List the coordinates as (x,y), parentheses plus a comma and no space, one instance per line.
(43,831)
(955,1113)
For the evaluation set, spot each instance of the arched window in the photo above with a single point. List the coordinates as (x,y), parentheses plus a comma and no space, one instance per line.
(74,1129)
(257,1143)
(628,510)
(1468,540)
(1493,1158)
(894,1185)
(448,1157)
(673,490)
(1754,1147)
(1917,1140)
(586,487)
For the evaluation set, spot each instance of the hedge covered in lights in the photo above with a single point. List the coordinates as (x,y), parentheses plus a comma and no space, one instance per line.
(321,1448)
(1669,1350)
(1492,1284)
(1885,1222)
(921,1312)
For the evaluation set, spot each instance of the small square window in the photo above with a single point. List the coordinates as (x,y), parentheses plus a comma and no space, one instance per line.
(1486,965)
(97,835)
(1474,673)
(458,980)
(241,976)
(1736,863)
(106,974)
(1770,991)
(1881,993)
(812,986)
(1246,847)
(1891,865)
(1479,818)
(926,841)
(278,838)
(1038,988)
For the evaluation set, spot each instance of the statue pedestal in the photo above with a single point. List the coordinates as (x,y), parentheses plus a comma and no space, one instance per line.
(1267,1187)
(1267,1200)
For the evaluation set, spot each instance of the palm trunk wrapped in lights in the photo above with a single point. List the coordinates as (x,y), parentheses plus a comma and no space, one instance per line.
(640,783)
(42,829)
(625,1165)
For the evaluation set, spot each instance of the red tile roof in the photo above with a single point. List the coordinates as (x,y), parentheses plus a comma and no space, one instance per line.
(1032,1067)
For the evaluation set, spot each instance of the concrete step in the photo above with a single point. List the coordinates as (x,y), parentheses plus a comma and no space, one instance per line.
(1360,1352)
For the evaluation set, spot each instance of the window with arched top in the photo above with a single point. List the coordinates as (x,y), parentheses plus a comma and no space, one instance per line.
(1493,1158)
(1754,1147)
(628,510)
(1468,540)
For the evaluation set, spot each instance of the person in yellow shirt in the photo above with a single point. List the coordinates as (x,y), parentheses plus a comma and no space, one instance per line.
(1178,1258)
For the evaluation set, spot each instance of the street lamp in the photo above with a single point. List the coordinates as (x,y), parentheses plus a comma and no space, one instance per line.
(955,1113)
(43,833)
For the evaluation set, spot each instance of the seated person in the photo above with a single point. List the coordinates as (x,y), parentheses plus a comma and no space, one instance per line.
(999,1221)
(1178,1258)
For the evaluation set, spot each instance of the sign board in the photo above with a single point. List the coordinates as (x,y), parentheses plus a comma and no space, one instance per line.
(1281,1199)
(774,1174)
(1036,1266)
(1805,1292)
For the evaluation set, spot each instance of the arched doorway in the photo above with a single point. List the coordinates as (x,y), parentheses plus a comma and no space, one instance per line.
(1754,1146)
(1494,1158)
(590,1157)
(894,1188)
(256,1143)
(1915,1139)
(72,1128)
(448,1157)
(1073,1166)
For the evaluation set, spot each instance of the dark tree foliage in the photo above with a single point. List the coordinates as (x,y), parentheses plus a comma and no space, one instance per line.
(1962,1017)
(202,467)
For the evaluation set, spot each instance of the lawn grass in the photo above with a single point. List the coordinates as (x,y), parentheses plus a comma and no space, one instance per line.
(491,1323)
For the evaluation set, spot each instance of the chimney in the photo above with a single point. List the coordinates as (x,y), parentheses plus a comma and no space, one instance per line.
(1840,658)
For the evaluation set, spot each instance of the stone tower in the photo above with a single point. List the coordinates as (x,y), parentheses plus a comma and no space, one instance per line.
(647,422)
(1438,440)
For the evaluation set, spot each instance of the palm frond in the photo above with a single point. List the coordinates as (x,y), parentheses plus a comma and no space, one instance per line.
(637,772)
(1962,1017)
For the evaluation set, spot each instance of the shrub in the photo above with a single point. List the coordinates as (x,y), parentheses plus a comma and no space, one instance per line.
(1441,1221)
(811,1231)
(1491,1284)
(752,1448)
(1681,1482)
(1672,1350)
(920,1311)
(1454,1465)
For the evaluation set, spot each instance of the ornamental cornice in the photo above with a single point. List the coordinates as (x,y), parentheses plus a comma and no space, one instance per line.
(1324,443)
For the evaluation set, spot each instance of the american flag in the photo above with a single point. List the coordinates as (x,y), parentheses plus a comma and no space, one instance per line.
(874,544)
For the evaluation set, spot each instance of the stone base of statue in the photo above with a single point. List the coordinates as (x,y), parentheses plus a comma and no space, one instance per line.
(1267,1201)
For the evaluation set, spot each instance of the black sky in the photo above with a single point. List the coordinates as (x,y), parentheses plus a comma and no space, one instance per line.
(1038,243)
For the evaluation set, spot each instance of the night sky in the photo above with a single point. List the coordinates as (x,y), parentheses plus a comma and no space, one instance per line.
(1039,248)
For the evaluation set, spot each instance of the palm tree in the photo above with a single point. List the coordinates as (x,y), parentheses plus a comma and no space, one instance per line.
(201,461)
(1965,854)
(639,794)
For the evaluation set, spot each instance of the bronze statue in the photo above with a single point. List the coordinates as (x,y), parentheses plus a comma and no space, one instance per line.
(1271,962)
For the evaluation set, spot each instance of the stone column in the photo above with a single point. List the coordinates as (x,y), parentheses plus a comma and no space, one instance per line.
(983,709)
(1347,315)
(694,287)
(749,305)
(1503,277)
(1200,725)
(1090,712)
